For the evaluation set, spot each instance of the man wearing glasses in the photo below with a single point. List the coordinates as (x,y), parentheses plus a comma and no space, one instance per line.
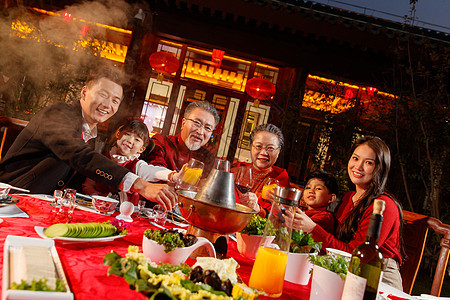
(173,151)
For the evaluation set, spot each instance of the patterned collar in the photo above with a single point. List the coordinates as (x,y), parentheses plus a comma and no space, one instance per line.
(120,158)
(86,132)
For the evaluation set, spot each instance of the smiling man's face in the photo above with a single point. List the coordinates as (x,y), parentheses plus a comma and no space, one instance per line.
(193,135)
(100,101)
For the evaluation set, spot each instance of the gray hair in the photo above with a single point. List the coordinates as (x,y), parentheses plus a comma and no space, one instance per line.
(205,105)
(268,128)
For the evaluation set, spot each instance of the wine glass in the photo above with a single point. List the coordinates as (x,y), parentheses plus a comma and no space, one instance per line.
(244,179)
(222,165)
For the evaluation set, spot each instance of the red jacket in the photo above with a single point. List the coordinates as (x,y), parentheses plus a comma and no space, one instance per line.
(171,152)
(277,173)
(389,233)
(323,218)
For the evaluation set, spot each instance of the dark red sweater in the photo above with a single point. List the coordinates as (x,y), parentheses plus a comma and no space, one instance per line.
(277,173)
(389,234)
(322,218)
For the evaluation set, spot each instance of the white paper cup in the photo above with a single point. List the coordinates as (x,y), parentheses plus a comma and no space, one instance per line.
(298,268)
(325,285)
(336,252)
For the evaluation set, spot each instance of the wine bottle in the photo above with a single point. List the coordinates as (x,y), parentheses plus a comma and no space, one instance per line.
(367,261)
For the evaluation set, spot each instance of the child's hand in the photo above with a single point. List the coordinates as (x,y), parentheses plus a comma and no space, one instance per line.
(302,221)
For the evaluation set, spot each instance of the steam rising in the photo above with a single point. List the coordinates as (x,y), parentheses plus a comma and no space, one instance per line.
(43,68)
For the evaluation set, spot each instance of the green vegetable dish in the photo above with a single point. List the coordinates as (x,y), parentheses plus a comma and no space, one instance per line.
(167,281)
(255,226)
(170,238)
(338,265)
(302,242)
(39,285)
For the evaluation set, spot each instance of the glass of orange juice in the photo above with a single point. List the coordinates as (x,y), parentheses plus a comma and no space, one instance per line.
(270,263)
(190,175)
(269,185)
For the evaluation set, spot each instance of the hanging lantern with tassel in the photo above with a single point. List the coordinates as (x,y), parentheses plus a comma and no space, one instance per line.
(260,89)
(164,63)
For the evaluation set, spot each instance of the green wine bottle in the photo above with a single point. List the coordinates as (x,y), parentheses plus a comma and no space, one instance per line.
(367,261)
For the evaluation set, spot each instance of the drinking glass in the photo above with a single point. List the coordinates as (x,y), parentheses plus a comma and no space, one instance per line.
(159,214)
(190,175)
(222,165)
(141,205)
(267,190)
(244,179)
(57,195)
(66,207)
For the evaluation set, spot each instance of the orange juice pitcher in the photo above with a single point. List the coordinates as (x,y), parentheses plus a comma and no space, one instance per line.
(270,264)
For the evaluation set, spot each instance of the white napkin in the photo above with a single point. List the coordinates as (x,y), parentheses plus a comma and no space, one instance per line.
(40,196)
(12,211)
(429,297)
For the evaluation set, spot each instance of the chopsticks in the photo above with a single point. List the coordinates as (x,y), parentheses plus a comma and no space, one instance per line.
(19,189)
(6,185)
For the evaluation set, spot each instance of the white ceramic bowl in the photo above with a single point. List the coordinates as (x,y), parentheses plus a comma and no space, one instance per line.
(104,205)
(155,252)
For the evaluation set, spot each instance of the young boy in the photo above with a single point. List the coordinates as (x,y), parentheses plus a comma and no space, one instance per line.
(320,190)
(129,141)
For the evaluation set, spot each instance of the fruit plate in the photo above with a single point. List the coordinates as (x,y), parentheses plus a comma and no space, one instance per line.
(40,231)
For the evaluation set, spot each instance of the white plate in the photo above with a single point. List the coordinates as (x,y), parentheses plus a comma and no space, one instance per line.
(13,244)
(40,232)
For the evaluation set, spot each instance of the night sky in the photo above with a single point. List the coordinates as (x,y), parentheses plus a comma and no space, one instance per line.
(435,12)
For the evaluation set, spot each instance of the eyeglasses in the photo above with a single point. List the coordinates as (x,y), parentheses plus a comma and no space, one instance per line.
(197,124)
(269,149)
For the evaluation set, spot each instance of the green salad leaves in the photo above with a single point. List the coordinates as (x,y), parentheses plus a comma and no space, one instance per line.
(38,285)
(255,226)
(170,238)
(338,265)
(302,242)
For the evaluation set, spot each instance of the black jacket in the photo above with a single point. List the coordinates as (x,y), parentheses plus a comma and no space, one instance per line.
(46,153)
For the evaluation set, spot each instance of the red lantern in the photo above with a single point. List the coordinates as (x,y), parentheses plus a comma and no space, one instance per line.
(260,89)
(164,63)
(349,94)
(371,91)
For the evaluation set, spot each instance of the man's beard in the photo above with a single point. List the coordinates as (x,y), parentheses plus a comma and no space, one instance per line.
(192,146)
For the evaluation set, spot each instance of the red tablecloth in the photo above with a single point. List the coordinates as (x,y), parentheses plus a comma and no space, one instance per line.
(82,262)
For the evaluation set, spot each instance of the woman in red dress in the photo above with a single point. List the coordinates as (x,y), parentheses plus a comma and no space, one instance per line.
(266,143)
(368,169)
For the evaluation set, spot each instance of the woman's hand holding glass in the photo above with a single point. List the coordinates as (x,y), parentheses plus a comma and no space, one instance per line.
(251,200)
(244,181)
(268,193)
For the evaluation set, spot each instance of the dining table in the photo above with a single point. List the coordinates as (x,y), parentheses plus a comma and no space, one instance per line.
(83,261)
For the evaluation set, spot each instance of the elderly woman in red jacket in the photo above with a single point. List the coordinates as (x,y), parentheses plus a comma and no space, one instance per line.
(266,143)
